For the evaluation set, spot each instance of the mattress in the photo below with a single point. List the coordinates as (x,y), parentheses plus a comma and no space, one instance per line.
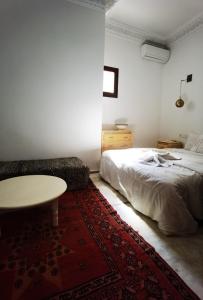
(171,194)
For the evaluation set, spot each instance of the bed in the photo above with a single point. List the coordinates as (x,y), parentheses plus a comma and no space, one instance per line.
(166,185)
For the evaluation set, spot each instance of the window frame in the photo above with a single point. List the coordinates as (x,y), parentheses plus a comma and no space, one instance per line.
(116,75)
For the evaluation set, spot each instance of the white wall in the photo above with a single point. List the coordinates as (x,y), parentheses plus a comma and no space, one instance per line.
(139,90)
(186,58)
(51,67)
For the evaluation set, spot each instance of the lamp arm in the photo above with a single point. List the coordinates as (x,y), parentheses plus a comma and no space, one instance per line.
(181,86)
(180,101)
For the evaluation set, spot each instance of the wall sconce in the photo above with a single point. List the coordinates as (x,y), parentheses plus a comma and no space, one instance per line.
(180,101)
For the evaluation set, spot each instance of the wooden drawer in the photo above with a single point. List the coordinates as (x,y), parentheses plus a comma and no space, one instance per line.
(117,145)
(161,144)
(116,139)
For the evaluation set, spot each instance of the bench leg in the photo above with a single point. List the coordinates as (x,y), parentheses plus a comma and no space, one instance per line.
(54,209)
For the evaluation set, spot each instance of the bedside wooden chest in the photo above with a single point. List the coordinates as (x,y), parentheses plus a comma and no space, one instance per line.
(116,139)
(169,144)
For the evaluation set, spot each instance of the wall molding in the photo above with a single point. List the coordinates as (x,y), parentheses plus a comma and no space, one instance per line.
(186,28)
(131,32)
(109,4)
(103,5)
(94,4)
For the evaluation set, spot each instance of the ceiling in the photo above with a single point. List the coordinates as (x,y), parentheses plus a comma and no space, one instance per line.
(159,20)
(163,20)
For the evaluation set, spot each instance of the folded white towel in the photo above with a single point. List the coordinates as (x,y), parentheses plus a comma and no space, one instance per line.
(157,159)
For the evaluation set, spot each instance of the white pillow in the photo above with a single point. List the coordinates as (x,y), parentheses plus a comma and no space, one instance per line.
(192,142)
(199,147)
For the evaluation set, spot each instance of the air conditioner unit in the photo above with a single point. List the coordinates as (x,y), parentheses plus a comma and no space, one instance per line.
(155,52)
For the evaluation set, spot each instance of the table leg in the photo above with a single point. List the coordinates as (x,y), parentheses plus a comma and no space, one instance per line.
(54,209)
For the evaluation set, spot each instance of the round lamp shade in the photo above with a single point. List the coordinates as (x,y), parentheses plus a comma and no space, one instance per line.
(179,103)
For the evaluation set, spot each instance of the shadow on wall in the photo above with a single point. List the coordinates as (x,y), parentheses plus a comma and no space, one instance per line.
(18,147)
(87,158)
(188,105)
(22,147)
(191,106)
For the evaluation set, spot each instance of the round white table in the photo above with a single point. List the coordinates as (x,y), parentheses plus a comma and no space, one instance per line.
(32,190)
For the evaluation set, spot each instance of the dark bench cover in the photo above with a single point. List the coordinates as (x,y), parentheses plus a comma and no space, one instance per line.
(71,169)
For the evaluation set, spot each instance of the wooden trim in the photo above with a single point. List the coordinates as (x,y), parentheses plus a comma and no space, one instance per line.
(116,74)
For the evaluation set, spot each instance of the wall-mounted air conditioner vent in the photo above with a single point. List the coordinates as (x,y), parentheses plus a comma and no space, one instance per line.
(155,52)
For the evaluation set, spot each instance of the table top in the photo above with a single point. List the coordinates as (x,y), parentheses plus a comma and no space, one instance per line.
(30,190)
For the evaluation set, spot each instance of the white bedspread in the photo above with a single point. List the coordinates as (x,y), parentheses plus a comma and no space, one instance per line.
(171,194)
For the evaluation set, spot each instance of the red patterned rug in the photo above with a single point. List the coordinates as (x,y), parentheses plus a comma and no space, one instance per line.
(92,255)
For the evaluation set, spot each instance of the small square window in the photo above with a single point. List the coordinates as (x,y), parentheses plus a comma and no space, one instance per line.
(110,82)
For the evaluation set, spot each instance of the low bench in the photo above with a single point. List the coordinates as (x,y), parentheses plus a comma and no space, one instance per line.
(71,169)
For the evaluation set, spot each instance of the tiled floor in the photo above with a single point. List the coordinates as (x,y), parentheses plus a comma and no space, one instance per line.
(183,254)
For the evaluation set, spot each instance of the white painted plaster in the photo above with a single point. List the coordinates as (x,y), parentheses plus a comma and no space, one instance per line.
(51,60)
(139,90)
(186,58)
